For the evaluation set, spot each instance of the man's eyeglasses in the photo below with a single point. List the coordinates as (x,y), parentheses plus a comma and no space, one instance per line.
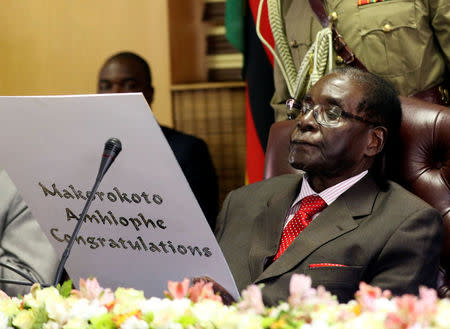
(325,115)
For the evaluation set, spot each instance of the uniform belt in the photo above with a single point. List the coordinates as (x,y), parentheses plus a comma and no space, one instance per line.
(437,94)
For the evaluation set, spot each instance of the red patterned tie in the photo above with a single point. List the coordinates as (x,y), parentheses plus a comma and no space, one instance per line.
(309,206)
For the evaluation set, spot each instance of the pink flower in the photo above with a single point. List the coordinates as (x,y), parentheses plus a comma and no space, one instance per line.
(393,321)
(252,300)
(177,290)
(407,313)
(300,289)
(3,295)
(414,310)
(325,297)
(201,291)
(90,289)
(368,295)
(422,309)
(428,300)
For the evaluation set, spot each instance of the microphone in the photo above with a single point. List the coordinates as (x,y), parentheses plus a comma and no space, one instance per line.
(113,146)
(112,150)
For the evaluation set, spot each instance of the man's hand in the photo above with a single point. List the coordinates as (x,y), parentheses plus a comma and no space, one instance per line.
(227,299)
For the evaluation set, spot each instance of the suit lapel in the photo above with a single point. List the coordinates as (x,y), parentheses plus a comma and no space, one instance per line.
(269,225)
(334,221)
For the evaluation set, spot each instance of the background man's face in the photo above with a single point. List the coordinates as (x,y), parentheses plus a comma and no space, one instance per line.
(124,76)
(331,151)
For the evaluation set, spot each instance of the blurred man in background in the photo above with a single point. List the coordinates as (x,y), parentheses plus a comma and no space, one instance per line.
(128,72)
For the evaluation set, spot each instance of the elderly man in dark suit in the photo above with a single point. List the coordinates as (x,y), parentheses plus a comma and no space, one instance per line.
(341,222)
(128,72)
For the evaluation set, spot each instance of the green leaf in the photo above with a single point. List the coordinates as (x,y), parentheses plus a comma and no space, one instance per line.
(266,322)
(40,317)
(65,289)
(103,321)
(148,317)
(186,320)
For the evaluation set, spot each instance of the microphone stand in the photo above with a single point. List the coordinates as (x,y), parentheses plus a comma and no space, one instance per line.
(75,232)
(112,149)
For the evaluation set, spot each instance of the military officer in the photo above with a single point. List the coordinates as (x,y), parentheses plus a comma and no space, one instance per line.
(407,42)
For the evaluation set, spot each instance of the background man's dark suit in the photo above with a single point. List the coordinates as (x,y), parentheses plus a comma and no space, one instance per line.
(388,239)
(195,161)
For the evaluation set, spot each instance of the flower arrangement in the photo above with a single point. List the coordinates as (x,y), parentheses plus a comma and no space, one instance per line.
(195,306)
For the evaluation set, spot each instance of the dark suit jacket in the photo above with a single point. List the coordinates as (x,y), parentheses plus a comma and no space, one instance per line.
(390,239)
(193,157)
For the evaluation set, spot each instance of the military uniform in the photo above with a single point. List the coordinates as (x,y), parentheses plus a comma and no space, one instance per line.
(407,42)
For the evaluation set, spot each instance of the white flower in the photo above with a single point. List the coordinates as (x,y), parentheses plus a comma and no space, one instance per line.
(127,300)
(10,307)
(38,296)
(367,320)
(86,309)
(134,323)
(244,321)
(316,324)
(57,310)
(51,325)
(170,325)
(208,310)
(165,310)
(24,319)
(385,305)
(442,318)
(324,315)
(283,307)
(3,320)
(211,314)
(416,326)
(76,323)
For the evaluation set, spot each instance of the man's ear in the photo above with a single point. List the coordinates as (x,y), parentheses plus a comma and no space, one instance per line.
(377,139)
(149,93)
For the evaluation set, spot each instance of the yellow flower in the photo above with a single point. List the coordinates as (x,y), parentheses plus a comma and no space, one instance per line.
(24,319)
(76,323)
(278,324)
(9,307)
(121,318)
(127,300)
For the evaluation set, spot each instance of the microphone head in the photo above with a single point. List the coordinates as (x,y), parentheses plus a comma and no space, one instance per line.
(113,145)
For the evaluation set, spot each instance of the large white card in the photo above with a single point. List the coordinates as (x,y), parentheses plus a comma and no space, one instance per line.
(144,226)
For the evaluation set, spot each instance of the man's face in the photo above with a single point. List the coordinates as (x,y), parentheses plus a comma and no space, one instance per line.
(334,152)
(124,76)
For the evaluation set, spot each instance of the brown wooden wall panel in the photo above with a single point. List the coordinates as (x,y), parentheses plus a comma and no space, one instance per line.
(217,115)
(187,41)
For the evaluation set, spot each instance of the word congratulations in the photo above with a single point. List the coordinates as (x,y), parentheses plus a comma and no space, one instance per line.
(113,196)
(139,244)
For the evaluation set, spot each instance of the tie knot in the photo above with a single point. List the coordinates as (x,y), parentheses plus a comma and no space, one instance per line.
(312,204)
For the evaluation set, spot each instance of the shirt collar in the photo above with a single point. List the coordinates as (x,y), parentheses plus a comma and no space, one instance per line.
(330,194)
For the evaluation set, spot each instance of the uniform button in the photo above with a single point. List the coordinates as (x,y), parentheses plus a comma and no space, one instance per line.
(339,60)
(387,28)
(333,16)
(293,43)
